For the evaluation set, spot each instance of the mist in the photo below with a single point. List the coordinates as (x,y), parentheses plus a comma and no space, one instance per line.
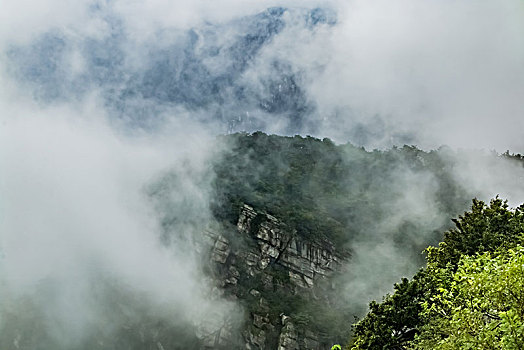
(78,227)
(101,99)
(376,73)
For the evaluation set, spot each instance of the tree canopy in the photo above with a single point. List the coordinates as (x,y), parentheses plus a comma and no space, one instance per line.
(470,295)
(332,192)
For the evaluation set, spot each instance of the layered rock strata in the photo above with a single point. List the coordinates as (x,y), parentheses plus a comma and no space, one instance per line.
(272,260)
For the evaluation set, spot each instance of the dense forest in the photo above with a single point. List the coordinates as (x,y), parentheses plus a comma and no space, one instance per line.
(329,191)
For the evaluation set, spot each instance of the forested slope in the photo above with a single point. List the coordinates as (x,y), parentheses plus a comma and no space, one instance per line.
(333,191)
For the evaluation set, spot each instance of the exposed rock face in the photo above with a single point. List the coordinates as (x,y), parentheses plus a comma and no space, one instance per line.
(304,260)
(220,250)
(288,335)
(273,263)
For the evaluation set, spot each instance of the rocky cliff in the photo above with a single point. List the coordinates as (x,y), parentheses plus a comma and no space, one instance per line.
(280,278)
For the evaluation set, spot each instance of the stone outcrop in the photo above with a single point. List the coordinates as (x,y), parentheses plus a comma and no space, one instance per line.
(305,260)
(271,259)
(288,339)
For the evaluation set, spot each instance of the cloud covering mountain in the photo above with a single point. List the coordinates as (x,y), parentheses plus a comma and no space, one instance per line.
(377,73)
(100,98)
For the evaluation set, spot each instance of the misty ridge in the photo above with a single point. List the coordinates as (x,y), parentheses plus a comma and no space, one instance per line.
(135,138)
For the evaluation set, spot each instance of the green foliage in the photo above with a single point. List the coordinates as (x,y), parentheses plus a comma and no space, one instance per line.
(484,228)
(481,306)
(470,296)
(328,192)
(391,324)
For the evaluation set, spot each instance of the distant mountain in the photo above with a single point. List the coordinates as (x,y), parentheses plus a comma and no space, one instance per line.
(213,71)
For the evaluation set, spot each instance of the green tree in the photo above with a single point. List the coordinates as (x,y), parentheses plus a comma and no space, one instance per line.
(392,323)
(422,305)
(480,307)
(484,228)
